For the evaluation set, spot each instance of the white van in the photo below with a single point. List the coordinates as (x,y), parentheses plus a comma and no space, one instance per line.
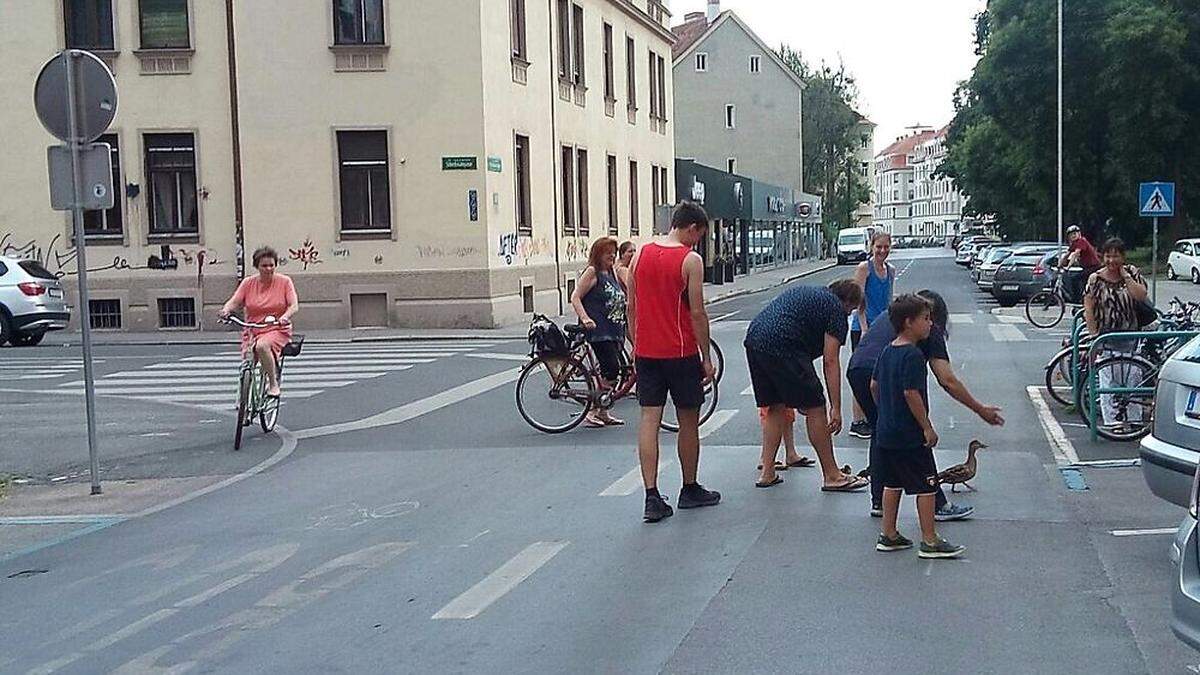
(854,244)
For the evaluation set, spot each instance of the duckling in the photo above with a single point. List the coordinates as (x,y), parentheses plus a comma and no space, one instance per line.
(961,473)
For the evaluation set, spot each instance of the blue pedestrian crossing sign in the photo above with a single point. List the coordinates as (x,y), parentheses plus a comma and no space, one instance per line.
(1157,199)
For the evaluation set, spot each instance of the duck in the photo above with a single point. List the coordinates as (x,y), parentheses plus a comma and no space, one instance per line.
(959,474)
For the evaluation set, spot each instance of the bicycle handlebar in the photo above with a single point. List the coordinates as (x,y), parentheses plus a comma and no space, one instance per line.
(238,321)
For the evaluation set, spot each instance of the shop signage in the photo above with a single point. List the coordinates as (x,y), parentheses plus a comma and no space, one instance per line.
(697,191)
(776,205)
(460,163)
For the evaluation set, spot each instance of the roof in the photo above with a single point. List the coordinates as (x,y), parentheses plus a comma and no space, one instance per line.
(704,29)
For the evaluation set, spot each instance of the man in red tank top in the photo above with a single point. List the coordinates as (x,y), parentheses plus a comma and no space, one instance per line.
(669,328)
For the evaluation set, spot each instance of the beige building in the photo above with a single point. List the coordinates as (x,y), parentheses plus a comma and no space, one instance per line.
(414,163)
(864,158)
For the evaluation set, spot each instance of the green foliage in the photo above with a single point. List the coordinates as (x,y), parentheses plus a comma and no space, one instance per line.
(831,132)
(1131,92)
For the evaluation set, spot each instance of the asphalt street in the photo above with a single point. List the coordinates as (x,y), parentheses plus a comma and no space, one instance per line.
(406,519)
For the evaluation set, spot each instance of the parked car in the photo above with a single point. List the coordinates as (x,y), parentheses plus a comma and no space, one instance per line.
(1184,260)
(967,249)
(1169,459)
(31,302)
(987,267)
(1026,272)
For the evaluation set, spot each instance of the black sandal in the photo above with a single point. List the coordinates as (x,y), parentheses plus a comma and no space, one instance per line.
(775,482)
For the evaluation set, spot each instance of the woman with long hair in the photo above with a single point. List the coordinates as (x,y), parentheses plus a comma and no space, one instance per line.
(624,257)
(599,302)
(877,277)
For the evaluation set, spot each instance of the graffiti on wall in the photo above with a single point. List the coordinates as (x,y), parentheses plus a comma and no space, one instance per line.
(528,247)
(341,253)
(307,254)
(575,248)
(57,255)
(508,248)
(425,251)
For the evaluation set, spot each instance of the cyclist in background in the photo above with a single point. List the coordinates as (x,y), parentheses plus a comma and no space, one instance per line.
(267,297)
(599,301)
(1083,254)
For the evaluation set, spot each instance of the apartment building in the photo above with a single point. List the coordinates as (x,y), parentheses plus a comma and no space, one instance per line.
(894,184)
(415,164)
(864,158)
(937,208)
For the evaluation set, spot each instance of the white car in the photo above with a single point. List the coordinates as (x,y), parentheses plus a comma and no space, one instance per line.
(1184,260)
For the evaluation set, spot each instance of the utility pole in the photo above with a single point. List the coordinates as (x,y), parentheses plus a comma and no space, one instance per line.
(1060,122)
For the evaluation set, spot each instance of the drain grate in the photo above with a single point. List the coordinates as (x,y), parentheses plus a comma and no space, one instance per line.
(26,573)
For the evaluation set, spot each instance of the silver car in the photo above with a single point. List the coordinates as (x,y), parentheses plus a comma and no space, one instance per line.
(31,302)
(1169,458)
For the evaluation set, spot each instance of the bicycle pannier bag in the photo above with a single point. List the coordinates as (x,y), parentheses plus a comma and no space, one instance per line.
(547,339)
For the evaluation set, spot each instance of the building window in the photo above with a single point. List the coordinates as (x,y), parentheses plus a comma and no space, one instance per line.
(663,186)
(662,88)
(164,24)
(521,169)
(581,179)
(634,216)
(358,22)
(614,227)
(105,314)
(653,61)
(176,312)
(730,116)
(658,184)
(630,72)
(610,85)
(108,223)
(171,173)
(568,190)
(89,24)
(731,164)
(701,62)
(578,50)
(756,64)
(564,39)
(364,181)
(520,46)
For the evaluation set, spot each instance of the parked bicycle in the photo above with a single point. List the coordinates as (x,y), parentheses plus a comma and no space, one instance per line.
(561,383)
(1046,308)
(252,384)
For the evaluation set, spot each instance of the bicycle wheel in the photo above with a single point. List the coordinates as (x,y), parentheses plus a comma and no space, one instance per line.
(670,418)
(1060,381)
(718,359)
(1045,309)
(245,381)
(269,416)
(554,395)
(1133,413)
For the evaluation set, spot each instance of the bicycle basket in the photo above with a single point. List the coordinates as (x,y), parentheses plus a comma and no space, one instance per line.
(546,338)
(293,348)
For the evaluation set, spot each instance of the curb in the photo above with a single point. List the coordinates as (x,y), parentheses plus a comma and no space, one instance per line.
(368,339)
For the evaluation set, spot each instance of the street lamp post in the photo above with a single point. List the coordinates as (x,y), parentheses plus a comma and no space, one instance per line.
(1060,122)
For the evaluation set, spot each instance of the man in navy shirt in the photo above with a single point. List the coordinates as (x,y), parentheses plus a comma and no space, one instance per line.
(802,324)
(862,364)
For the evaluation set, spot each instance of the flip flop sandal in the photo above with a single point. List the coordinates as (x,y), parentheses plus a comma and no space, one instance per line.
(802,463)
(850,485)
(614,422)
(773,483)
(779,466)
(593,424)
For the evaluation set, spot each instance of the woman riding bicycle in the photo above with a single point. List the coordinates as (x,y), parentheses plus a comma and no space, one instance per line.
(599,301)
(268,297)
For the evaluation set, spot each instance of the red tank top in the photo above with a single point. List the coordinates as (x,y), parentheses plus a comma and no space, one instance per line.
(663,318)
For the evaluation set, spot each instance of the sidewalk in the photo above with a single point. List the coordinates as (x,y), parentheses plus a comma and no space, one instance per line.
(743,285)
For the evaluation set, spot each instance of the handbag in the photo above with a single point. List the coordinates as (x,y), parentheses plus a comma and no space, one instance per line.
(1145,312)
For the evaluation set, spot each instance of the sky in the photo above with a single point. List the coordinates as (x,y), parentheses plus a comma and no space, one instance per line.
(908,56)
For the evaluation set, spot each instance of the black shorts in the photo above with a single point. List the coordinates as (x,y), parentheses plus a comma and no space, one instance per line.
(911,469)
(779,380)
(682,378)
(608,356)
(855,337)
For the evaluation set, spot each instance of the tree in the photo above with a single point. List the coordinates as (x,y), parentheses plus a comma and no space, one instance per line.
(1131,97)
(831,131)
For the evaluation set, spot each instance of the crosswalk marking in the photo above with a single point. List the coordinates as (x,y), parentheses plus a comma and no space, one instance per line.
(159,374)
(714,423)
(748,390)
(498,584)
(289,366)
(632,480)
(1003,332)
(962,318)
(1008,318)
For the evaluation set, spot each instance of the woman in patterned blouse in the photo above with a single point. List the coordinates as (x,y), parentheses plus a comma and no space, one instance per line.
(1108,306)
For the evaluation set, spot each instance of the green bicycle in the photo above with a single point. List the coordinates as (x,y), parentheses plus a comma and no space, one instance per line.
(252,385)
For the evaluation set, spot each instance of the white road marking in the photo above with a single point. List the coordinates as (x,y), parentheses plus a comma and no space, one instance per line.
(208,361)
(232,373)
(1003,332)
(520,358)
(188,389)
(962,318)
(1008,318)
(1139,533)
(417,408)
(499,583)
(725,316)
(632,481)
(1110,463)
(748,391)
(1064,451)
(87,519)
(714,423)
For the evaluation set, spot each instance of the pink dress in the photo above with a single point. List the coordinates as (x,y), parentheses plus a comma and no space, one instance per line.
(262,300)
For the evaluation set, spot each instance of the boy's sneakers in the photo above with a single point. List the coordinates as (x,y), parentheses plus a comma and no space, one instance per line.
(861,429)
(694,496)
(876,511)
(940,549)
(888,544)
(952,511)
(657,509)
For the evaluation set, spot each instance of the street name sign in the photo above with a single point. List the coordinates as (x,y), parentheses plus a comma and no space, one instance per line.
(460,163)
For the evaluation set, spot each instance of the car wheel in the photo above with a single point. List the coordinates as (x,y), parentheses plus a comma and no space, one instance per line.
(1195,276)
(1171,273)
(27,339)
(6,329)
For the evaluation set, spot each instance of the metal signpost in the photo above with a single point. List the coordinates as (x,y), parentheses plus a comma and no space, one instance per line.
(1156,200)
(76,100)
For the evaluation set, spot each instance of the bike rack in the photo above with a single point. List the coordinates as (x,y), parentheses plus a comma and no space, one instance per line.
(1078,328)
(1093,376)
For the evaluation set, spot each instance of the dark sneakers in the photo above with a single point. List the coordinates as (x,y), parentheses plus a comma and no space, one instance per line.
(940,549)
(694,496)
(888,544)
(657,509)
(861,429)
